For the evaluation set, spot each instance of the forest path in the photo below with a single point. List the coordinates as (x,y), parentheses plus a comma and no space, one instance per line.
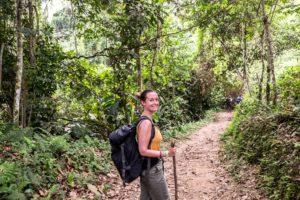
(200,173)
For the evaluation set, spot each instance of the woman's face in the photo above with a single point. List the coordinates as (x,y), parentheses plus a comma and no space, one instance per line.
(151,103)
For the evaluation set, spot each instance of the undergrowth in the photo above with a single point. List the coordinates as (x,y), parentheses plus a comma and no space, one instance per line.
(269,139)
(44,166)
(38,165)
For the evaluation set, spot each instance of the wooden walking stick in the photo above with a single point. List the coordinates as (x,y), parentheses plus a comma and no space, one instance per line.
(174,172)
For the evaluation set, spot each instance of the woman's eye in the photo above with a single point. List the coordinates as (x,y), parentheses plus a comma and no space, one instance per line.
(153,100)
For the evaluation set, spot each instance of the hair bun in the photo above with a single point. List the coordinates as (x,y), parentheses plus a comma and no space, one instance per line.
(137,94)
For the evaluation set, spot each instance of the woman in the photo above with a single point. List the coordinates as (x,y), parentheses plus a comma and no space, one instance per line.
(153,182)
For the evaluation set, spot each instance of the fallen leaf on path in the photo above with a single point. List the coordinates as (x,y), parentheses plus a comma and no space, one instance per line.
(93,189)
(73,194)
(43,193)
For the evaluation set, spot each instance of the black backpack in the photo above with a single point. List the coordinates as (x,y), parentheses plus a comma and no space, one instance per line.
(125,152)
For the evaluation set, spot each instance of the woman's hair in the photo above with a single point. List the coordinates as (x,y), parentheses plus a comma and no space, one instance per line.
(143,95)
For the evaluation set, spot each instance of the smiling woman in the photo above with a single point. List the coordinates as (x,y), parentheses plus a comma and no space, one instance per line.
(153,182)
(150,102)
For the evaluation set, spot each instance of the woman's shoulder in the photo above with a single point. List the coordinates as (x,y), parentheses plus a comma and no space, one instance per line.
(145,122)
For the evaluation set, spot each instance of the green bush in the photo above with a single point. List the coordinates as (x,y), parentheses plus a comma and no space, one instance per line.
(289,87)
(269,139)
(173,113)
(35,165)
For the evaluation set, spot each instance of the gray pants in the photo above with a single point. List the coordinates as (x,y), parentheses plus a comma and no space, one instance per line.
(153,184)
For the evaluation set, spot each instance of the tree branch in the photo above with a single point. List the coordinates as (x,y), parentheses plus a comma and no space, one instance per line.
(174,33)
(103,52)
(289,6)
(100,53)
(273,11)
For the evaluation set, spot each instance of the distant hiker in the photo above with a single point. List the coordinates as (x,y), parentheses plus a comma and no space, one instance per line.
(239,99)
(228,103)
(153,182)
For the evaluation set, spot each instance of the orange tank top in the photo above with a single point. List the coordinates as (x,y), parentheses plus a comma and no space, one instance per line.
(155,144)
(156,141)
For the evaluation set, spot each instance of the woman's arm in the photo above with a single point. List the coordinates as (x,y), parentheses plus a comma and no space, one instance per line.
(144,131)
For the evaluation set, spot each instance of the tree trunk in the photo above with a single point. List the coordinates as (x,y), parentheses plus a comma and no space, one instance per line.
(32,60)
(268,87)
(156,49)
(74,29)
(32,34)
(138,64)
(19,73)
(270,59)
(37,29)
(1,63)
(212,51)
(263,66)
(244,47)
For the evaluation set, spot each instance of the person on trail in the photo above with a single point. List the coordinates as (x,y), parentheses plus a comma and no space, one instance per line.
(239,99)
(152,180)
(228,103)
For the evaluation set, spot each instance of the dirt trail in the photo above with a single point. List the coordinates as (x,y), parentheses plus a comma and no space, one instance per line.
(201,175)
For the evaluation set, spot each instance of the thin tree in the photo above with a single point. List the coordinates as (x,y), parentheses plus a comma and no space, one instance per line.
(1,63)
(73,23)
(270,59)
(245,51)
(138,63)
(262,56)
(33,53)
(32,59)
(19,73)
(156,48)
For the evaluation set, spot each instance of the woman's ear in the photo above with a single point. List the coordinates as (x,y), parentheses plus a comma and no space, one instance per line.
(143,103)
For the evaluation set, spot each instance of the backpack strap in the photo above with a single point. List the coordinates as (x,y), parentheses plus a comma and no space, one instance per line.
(151,137)
(143,117)
(123,164)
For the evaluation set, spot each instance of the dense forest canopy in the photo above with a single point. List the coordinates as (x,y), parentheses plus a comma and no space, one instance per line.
(89,60)
(75,72)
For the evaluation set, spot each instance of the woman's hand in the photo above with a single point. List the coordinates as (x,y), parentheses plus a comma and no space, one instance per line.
(172,151)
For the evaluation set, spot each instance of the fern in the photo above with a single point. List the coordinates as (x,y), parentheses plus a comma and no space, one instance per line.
(7,171)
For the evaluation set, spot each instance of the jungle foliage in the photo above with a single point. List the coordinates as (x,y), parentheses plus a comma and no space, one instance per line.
(270,137)
(36,164)
(66,83)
